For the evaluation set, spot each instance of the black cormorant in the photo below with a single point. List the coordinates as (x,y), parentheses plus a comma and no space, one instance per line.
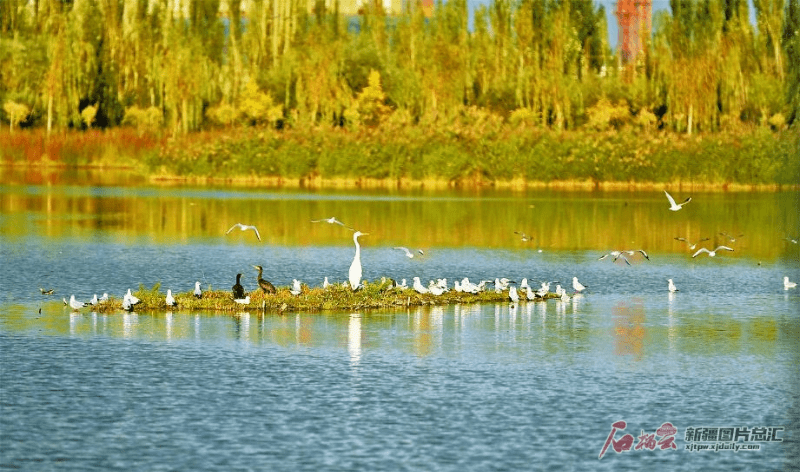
(264,284)
(238,290)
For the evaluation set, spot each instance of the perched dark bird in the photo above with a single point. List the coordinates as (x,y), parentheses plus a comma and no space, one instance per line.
(264,284)
(238,290)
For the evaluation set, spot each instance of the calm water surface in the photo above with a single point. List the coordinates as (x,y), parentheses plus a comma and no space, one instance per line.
(476,387)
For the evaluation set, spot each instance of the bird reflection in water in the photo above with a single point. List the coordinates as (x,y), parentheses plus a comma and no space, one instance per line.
(354,339)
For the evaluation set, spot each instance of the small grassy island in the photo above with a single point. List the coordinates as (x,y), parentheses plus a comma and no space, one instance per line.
(336,297)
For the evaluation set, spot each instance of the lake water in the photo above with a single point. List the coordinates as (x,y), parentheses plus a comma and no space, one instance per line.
(465,387)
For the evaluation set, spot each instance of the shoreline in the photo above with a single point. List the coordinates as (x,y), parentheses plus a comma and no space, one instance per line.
(368,183)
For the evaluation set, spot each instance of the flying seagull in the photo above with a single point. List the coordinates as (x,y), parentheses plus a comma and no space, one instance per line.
(711,253)
(676,206)
(332,220)
(692,245)
(244,228)
(409,254)
(523,236)
(731,238)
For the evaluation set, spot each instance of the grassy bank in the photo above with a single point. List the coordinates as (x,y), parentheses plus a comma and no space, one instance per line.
(393,156)
(377,294)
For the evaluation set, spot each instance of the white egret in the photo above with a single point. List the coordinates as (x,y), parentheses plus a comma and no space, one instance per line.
(579,287)
(170,300)
(197,292)
(355,268)
(671,286)
(711,253)
(692,245)
(787,285)
(676,206)
(245,228)
(75,304)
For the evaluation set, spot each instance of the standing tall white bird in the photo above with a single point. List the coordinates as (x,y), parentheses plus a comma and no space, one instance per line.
(197,292)
(512,294)
(676,206)
(355,267)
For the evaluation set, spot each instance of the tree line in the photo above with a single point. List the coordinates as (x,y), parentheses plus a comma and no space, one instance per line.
(182,65)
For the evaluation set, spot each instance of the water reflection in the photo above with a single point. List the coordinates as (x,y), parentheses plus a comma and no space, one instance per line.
(575,221)
(354,339)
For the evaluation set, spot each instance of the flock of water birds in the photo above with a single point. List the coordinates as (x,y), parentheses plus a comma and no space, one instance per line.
(437,287)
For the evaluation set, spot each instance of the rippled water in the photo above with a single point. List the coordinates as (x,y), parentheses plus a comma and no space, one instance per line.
(466,387)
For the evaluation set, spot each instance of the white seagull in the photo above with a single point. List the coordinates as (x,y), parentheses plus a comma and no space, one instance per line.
(711,253)
(94,300)
(325,283)
(131,298)
(104,298)
(692,245)
(170,300)
(355,266)
(409,254)
(244,228)
(435,289)
(676,206)
(197,292)
(75,304)
(577,285)
(787,285)
(671,286)
(243,301)
(332,220)
(512,294)
(296,289)
(419,287)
